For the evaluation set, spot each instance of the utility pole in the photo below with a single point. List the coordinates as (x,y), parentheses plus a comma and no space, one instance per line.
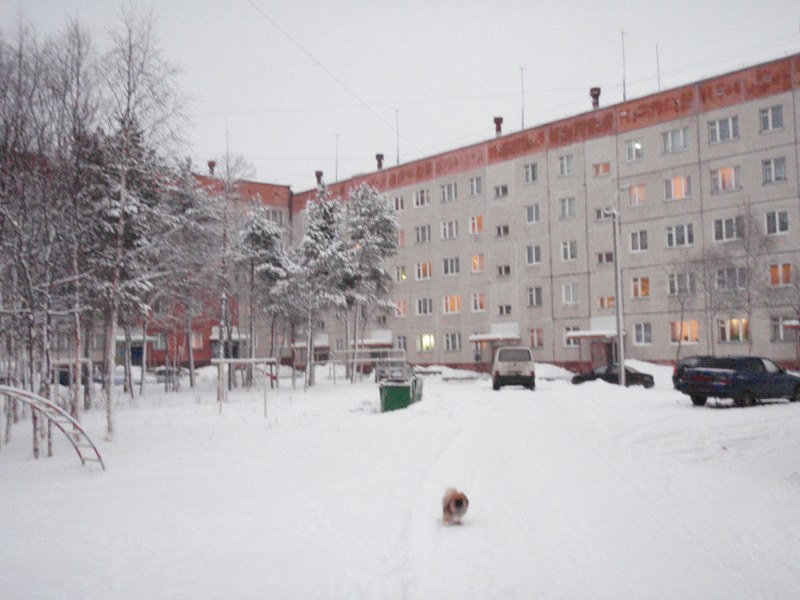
(522,80)
(397,132)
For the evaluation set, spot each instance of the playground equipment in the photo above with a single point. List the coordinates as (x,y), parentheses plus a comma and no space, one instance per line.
(55,415)
(270,372)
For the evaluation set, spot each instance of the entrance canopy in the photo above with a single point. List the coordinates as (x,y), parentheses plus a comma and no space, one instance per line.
(607,334)
(494,337)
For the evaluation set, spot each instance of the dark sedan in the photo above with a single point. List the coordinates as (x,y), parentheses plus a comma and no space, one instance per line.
(610,373)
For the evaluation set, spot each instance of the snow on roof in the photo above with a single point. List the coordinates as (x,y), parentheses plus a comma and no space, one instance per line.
(593,333)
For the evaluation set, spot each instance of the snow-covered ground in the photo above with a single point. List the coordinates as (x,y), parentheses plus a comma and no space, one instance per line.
(575,492)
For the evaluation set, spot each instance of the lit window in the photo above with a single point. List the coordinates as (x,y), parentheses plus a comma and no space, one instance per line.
(606,302)
(476,224)
(601,169)
(780,274)
(634,150)
(477,263)
(687,332)
(637,194)
(424,270)
(425,342)
(400,273)
(733,330)
(725,179)
(640,287)
(451,304)
(678,188)
(402,308)
(401,237)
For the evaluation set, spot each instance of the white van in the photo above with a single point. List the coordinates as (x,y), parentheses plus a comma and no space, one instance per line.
(513,365)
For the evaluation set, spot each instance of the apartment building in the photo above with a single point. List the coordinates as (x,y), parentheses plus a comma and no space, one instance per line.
(511,241)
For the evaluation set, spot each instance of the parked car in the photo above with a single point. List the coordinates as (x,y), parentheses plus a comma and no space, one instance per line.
(513,365)
(689,362)
(610,373)
(745,379)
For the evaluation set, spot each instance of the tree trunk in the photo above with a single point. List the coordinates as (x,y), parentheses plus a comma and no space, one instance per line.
(109,360)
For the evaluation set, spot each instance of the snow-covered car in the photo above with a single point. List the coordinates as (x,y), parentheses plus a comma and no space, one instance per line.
(393,369)
(610,373)
(513,365)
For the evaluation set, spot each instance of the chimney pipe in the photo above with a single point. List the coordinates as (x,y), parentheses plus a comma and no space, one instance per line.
(595,94)
(379,158)
(212,164)
(319,176)
(498,126)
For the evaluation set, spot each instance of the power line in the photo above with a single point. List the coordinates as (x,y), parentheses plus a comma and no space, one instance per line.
(326,70)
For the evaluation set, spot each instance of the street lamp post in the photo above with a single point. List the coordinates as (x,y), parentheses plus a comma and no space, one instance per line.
(613,212)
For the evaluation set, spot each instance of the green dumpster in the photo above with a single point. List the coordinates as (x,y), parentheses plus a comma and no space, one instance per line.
(396,394)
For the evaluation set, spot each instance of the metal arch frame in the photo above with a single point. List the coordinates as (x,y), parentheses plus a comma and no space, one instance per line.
(54,415)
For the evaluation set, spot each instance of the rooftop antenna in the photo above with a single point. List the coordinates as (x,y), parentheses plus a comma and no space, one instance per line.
(658,69)
(624,97)
(522,80)
(397,132)
(336,169)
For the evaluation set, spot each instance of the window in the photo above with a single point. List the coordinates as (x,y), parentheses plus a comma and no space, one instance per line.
(504,310)
(400,273)
(477,263)
(422,198)
(675,140)
(778,329)
(502,230)
(686,332)
(449,230)
(504,270)
(567,208)
(726,230)
(532,213)
(449,192)
(402,308)
(566,164)
(197,340)
(606,302)
(570,342)
(604,258)
(733,330)
(602,214)
(479,302)
(569,250)
(640,287)
(537,338)
(534,296)
(401,342)
(399,203)
(723,130)
(678,188)
(773,170)
(569,293)
(425,342)
(731,279)
(639,241)
(425,306)
(531,172)
(380,320)
(681,284)
(475,186)
(534,255)
(161,341)
(601,169)
(500,191)
(450,266)
(451,304)
(637,194)
(777,222)
(725,179)
(275,216)
(401,237)
(476,224)
(642,334)
(680,236)
(780,274)
(424,270)
(771,118)
(422,234)
(339,345)
(452,342)
(634,150)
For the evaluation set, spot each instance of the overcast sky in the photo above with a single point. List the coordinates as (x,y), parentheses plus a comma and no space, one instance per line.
(280,81)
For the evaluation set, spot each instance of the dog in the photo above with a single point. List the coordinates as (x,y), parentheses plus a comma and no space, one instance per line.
(454,505)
